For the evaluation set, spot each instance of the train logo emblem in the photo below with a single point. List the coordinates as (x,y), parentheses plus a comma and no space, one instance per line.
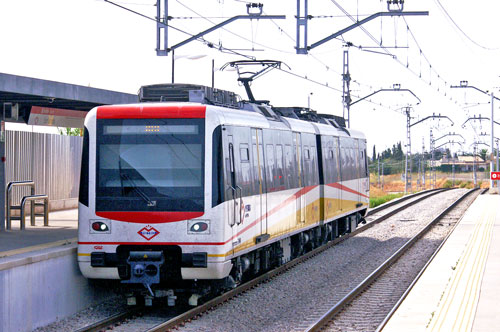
(148,232)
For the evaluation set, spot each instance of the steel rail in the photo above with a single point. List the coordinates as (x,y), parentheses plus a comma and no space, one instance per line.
(107,322)
(199,310)
(399,200)
(327,317)
(405,294)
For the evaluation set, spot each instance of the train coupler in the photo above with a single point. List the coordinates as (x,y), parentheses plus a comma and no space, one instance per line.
(145,268)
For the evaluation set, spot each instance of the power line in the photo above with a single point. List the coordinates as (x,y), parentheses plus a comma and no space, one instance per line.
(233,33)
(460,29)
(362,27)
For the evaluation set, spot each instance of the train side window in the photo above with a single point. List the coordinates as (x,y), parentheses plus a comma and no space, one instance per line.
(336,162)
(361,163)
(279,167)
(315,165)
(270,167)
(289,167)
(244,154)
(353,163)
(343,162)
(365,163)
(307,154)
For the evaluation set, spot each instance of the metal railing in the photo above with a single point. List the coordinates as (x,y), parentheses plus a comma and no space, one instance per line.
(31,198)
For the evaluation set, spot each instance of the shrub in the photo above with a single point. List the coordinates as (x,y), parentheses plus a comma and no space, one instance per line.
(376,201)
(447,184)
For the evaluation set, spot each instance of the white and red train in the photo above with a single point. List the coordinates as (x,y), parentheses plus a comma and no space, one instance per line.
(188,198)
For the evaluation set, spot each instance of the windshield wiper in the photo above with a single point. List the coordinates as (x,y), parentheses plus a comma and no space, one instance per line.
(133,185)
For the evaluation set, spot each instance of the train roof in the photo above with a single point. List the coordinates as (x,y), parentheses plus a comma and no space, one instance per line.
(232,110)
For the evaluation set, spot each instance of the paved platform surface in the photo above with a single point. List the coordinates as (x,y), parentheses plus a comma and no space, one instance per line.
(63,228)
(460,289)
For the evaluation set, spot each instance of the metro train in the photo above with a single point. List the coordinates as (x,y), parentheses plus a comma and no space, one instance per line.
(193,191)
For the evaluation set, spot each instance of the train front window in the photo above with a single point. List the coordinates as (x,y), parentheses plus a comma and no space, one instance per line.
(150,165)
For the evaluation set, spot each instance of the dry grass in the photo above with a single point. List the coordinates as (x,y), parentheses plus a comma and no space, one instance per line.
(394,184)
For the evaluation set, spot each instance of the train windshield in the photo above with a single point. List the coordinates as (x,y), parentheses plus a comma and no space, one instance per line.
(150,165)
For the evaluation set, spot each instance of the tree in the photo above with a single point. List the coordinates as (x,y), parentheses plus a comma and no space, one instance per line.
(483,153)
(374,153)
(71,131)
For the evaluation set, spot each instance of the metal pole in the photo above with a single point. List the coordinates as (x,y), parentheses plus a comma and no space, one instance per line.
(453,174)
(382,176)
(408,153)
(2,181)
(346,91)
(492,137)
(173,66)
(213,73)
(474,165)
(378,172)
(498,182)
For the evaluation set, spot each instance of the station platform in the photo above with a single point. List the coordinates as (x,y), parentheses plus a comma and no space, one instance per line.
(62,229)
(460,289)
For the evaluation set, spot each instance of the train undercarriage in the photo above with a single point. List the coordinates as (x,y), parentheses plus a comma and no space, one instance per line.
(148,273)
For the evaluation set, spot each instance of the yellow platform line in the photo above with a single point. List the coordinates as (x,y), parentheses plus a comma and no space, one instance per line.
(37,247)
(473,284)
(463,290)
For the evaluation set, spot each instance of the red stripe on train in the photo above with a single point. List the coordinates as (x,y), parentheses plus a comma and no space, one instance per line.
(344,188)
(290,199)
(156,243)
(148,217)
(145,111)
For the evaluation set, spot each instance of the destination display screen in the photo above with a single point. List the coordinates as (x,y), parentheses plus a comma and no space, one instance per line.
(150,129)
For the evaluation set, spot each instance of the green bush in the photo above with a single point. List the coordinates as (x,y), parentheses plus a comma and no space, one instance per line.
(376,201)
(447,184)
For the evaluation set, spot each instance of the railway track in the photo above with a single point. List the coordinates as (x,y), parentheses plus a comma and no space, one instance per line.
(140,319)
(381,290)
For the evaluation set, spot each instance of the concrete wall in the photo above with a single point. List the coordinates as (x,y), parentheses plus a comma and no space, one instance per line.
(38,288)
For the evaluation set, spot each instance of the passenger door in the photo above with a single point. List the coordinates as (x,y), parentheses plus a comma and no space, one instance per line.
(260,177)
(301,204)
(357,163)
(230,189)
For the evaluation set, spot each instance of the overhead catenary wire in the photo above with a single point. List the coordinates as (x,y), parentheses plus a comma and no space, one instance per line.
(440,5)
(232,32)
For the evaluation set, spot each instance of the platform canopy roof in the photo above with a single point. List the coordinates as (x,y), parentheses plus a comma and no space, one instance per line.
(28,92)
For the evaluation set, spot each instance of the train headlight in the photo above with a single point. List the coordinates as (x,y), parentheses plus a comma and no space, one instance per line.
(100,227)
(198,227)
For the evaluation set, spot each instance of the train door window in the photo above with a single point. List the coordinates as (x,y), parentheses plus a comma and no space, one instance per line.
(280,177)
(290,171)
(270,167)
(258,158)
(245,176)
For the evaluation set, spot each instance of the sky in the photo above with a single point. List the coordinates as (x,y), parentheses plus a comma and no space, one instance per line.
(94,43)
